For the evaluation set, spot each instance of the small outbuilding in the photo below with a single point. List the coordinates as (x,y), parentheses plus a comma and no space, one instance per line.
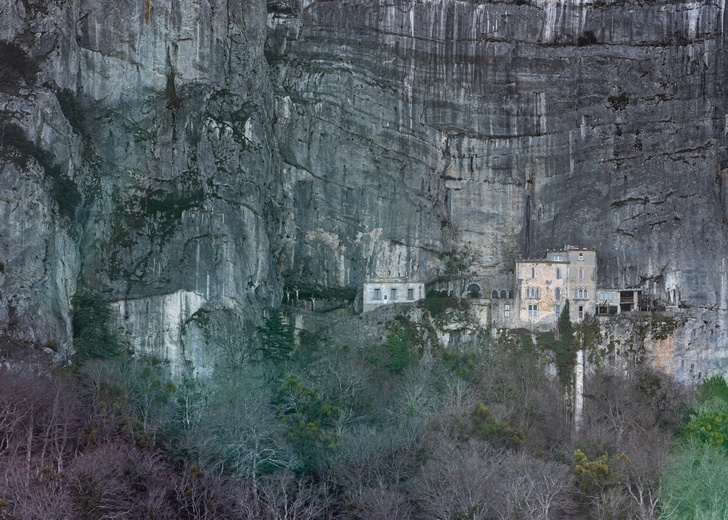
(386,291)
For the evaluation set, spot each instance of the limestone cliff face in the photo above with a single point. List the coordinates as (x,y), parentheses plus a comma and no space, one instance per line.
(517,127)
(170,110)
(226,149)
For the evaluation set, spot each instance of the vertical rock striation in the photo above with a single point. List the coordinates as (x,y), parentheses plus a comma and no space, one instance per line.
(225,149)
(515,126)
(174,155)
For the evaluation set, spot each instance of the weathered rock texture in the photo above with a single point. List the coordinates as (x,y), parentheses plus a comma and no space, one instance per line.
(232,148)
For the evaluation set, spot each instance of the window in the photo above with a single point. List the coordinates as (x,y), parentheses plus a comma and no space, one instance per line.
(581,311)
(533,293)
(581,273)
(394,294)
(557,294)
(377,294)
(510,294)
(533,272)
(558,258)
(581,257)
(494,294)
(576,294)
(586,294)
(533,310)
(558,273)
(507,310)
(557,311)
(503,294)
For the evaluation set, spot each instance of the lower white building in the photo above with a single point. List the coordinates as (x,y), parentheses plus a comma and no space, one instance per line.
(380,292)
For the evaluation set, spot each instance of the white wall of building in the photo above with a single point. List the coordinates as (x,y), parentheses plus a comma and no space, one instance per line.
(386,292)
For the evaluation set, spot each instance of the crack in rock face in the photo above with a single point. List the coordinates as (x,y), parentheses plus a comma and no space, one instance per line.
(231,151)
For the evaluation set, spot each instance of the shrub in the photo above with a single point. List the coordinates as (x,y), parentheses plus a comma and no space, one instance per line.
(713,388)
(438,302)
(394,354)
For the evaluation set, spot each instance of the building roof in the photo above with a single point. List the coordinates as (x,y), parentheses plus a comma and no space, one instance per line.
(393,280)
(566,250)
(541,261)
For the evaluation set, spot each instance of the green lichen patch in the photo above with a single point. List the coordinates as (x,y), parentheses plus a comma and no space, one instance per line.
(155,212)
(662,327)
(73,112)
(63,189)
(16,66)
(618,103)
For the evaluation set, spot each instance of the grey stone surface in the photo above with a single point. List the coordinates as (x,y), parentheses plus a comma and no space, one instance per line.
(234,148)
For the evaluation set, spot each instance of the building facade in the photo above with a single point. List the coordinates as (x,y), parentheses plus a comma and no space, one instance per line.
(543,286)
(380,292)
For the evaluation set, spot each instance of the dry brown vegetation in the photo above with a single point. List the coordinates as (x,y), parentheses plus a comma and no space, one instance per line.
(325,432)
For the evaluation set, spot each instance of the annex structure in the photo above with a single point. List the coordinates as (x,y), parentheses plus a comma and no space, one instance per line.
(384,291)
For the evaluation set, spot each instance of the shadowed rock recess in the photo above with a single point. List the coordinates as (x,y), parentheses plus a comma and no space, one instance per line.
(224,151)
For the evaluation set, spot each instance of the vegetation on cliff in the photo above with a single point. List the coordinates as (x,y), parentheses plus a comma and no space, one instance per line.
(312,429)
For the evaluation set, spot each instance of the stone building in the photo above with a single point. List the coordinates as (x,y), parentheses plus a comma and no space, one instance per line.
(543,285)
(384,291)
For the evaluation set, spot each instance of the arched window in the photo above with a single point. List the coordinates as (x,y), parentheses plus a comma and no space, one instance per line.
(474,290)
(581,273)
(558,294)
(503,294)
(586,294)
(494,294)
(510,294)
(576,294)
